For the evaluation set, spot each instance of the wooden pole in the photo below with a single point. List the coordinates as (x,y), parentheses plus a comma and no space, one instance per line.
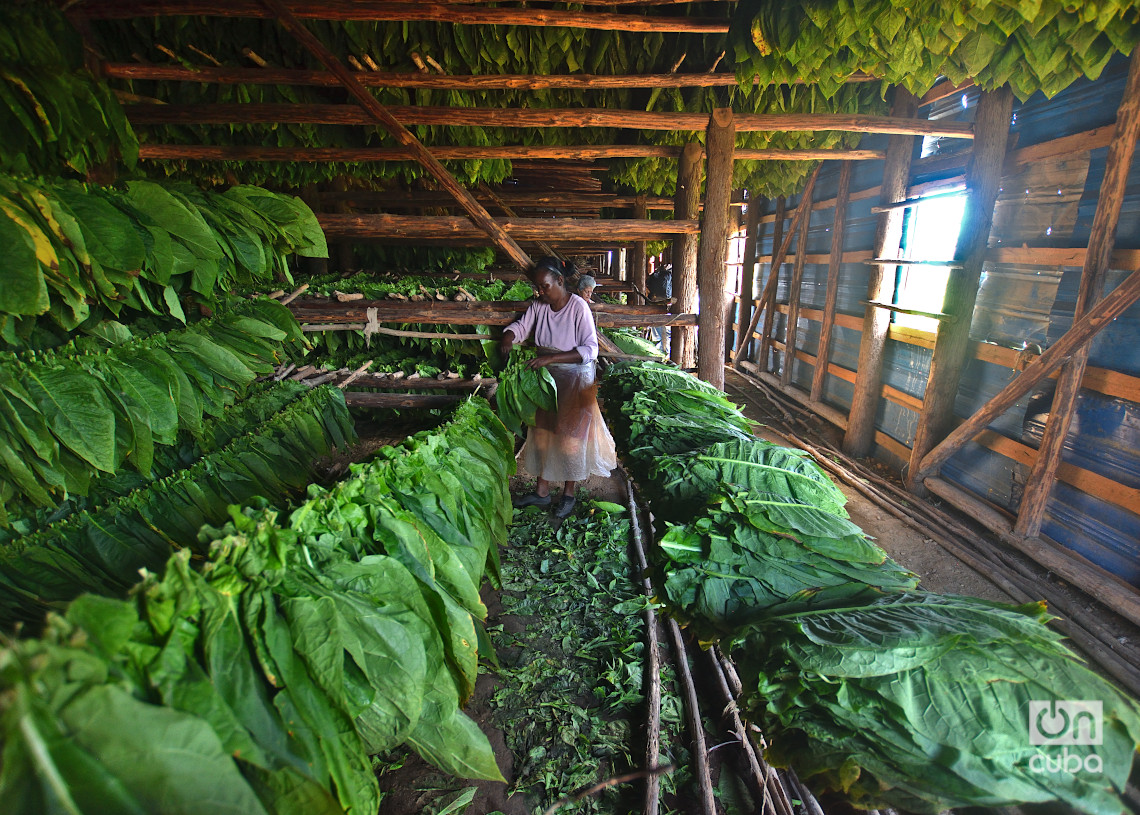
(1084,328)
(952,347)
(797,282)
(714,249)
(768,298)
(860,436)
(345,260)
(1102,239)
(553,230)
(232,152)
(683,348)
(834,263)
(748,272)
(379,11)
(777,232)
(378,114)
(225,114)
(387,79)
(637,267)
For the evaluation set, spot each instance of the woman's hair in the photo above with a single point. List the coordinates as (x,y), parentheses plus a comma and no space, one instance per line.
(587,282)
(556,266)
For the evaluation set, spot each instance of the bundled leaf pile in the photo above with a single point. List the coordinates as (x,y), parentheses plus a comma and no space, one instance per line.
(101,550)
(70,413)
(738,564)
(58,115)
(524,391)
(1032,45)
(927,702)
(78,254)
(298,649)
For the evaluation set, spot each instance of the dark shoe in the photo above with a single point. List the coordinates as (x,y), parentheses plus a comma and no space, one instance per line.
(531,499)
(565,506)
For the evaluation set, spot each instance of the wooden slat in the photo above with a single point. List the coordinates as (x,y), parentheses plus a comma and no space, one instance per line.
(374,11)
(228,114)
(791,330)
(385,225)
(834,261)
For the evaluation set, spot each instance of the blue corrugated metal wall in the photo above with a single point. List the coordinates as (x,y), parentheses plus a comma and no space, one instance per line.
(1017,305)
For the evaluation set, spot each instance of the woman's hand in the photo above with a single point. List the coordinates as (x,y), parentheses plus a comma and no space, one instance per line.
(506,343)
(539,362)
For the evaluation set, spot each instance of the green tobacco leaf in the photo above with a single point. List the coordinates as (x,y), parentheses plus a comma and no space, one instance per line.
(24,290)
(77,411)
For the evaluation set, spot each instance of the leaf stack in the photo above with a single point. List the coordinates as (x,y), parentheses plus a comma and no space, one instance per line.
(523,392)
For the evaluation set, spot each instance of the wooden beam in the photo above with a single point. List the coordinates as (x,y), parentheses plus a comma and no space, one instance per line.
(385,225)
(758,309)
(791,326)
(248,114)
(378,114)
(374,11)
(1102,239)
(683,347)
(952,348)
(833,271)
(365,399)
(433,198)
(387,79)
(714,248)
(943,90)
(860,436)
(1084,328)
(748,272)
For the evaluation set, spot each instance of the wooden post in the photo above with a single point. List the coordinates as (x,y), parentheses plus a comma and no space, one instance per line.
(773,269)
(379,114)
(768,298)
(860,436)
(345,261)
(951,349)
(1084,328)
(637,272)
(834,262)
(797,282)
(683,350)
(714,248)
(1101,242)
(748,271)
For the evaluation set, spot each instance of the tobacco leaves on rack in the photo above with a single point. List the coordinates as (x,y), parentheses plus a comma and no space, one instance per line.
(524,391)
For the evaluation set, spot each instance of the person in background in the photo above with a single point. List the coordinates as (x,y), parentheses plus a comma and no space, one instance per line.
(659,285)
(573,442)
(586,286)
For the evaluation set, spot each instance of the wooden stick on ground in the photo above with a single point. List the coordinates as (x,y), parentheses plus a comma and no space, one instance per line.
(653,772)
(653,667)
(696,728)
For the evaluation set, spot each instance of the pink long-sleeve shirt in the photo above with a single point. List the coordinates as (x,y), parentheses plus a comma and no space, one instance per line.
(571,329)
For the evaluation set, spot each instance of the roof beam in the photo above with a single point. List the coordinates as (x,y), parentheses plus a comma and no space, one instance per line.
(378,114)
(383,225)
(218,152)
(229,114)
(374,11)
(385,79)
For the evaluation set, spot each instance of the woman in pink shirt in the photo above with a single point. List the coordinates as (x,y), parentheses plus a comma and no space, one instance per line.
(572,443)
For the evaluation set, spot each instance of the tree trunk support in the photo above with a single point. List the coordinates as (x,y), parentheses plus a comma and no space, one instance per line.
(951,349)
(380,114)
(637,267)
(1102,239)
(834,264)
(714,249)
(860,436)
(683,348)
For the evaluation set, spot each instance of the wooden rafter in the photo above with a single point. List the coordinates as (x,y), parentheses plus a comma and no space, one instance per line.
(212,152)
(379,11)
(383,225)
(229,114)
(378,114)
(386,79)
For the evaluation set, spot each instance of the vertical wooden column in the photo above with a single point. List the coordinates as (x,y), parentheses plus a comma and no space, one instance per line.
(794,287)
(748,270)
(951,348)
(686,206)
(714,247)
(637,270)
(345,261)
(1102,239)
(768,298)
(834,261)
(860,436)
(773,270)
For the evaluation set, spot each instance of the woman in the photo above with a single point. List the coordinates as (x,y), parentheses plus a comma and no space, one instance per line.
(586,286)
(572,443)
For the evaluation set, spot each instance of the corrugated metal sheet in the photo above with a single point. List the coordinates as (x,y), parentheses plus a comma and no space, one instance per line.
(1018,305)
